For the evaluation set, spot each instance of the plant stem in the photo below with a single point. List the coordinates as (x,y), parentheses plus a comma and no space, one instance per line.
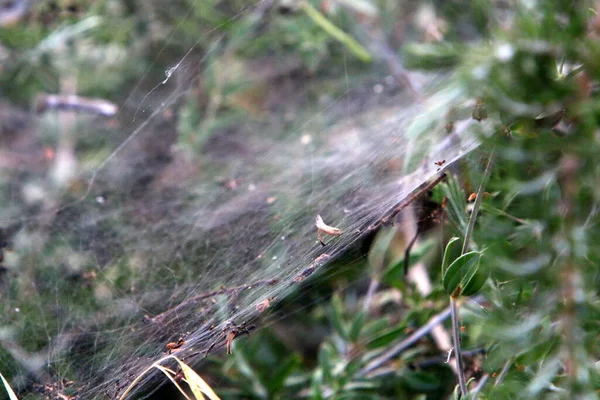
(477,204)
(462,383)
(409,341)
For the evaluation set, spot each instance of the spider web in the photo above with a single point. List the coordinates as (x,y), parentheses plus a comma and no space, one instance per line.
(126,250)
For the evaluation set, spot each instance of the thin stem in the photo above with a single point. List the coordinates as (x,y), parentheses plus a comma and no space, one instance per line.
(503,373)
(479,387)
(406,343)
(477,204)
(373,286)
(462,382)
(409,341)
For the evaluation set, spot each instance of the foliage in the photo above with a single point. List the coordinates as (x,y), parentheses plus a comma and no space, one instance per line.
(529,68)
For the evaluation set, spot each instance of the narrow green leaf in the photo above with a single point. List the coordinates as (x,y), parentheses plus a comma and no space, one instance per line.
(277,378)
(325,362)
(386,338)
(336,316)
(446,258)
(460,274)
(421,381)
(356,326)
(316,385)
(431,56)
(335,32)
(380,246)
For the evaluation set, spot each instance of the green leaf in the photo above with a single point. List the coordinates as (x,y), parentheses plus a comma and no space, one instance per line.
(421,381)
(336,316)
(356,326)
(387,337)
(446,258)
(355,48)
(431,56)
(247,370)
(316,385)
(285,368)
(464,277)
(325,363)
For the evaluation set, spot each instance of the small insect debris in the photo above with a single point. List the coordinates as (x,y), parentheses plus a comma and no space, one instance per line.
(263,305)
(473,196)
(311,268)
(305,273)
(323,228)
(228,183)
(440,163)
(230,332)
(173,346)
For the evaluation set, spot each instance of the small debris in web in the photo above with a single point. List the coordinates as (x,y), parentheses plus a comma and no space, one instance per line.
(229,183)
(173,346)
(480,110)
(323,228)
(308,271)
(263,305)
(231,331)
(440,163)
(473,196)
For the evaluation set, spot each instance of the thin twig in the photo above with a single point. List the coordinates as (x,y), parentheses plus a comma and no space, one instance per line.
(460,373)
(479,386)
(409,341)
(477,204)
(406,343)
(373,286)
(420,277)
(462,382)
(429,362)
(503,373)
(408,250)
